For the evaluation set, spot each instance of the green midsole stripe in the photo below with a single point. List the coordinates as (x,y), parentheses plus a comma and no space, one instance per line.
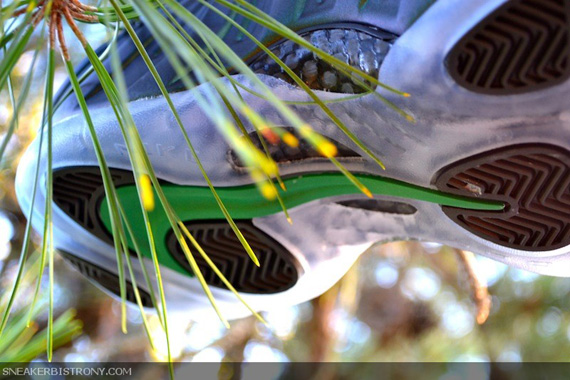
(245,202)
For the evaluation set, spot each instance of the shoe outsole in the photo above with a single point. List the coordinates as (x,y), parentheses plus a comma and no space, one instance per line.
(513,55)
(79,192)
(106,279)
(522,46)
(278,270)
(533,180)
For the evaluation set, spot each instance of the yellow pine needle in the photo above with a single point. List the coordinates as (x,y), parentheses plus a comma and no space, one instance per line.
(324,146)
(264,184)
(291,140)
(268,190)
(24,337)
(137,296)
(147,193)
(268,166)
(280,199)
(123,304)
(305,130)
(327,149)
(219,273)
(270,135)
(51,300)
(255,158)
(200,277)
(31,7)
(249,113)
(352,178)
(281,184)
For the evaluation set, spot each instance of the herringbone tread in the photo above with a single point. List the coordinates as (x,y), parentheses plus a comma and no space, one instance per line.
(522,46)
(79,192)
(533,180)
(278,270)
(106,279)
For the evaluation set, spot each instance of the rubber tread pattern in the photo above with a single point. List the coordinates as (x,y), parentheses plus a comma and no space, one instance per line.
(278,270)
(533,180)
(79,192)
(106,279)
(522,46)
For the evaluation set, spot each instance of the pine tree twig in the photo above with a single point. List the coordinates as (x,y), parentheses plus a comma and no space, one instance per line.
(478,285)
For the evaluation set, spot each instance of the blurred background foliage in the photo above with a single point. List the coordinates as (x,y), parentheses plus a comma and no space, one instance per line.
(402,301)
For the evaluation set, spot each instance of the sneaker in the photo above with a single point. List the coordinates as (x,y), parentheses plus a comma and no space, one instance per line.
(485,167)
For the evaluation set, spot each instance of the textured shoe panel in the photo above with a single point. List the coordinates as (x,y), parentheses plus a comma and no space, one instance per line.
(522,46)
(106,279)
(533,180)
(80,191)
(282,153)
(278,270)
(364,51)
